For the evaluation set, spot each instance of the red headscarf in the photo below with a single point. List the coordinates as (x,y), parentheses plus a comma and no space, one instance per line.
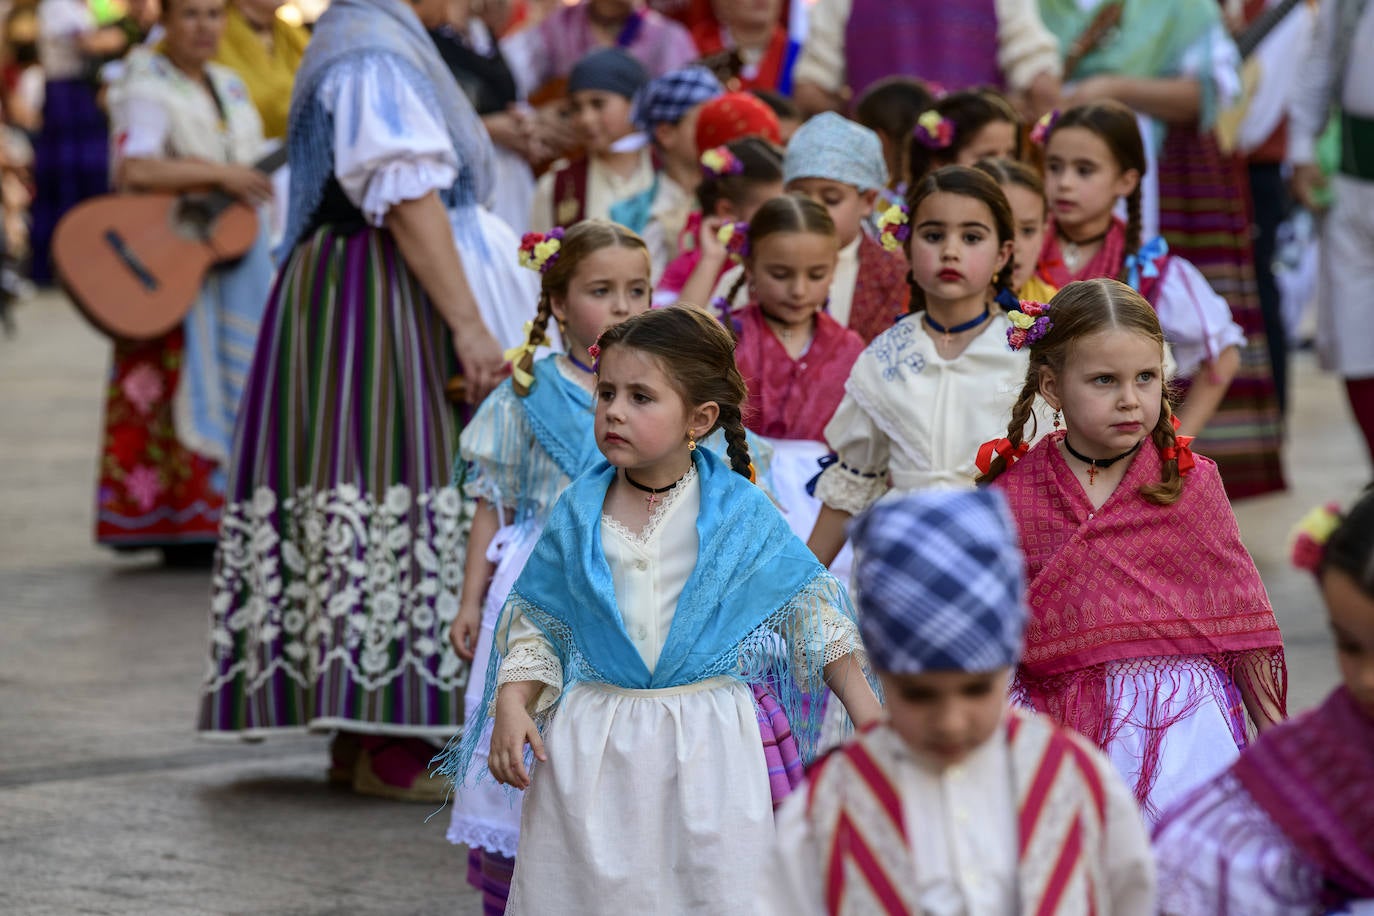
(733,116)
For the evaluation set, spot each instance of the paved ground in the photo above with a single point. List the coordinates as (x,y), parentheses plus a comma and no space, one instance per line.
(109,803)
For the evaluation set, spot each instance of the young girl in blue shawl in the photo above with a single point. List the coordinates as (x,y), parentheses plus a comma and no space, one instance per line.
(527,442)
(663,583)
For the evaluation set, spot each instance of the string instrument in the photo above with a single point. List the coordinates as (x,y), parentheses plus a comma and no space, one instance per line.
(134,264)
(1252,76)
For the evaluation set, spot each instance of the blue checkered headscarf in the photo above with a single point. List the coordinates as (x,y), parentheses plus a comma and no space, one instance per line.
(667,99)
(940,582)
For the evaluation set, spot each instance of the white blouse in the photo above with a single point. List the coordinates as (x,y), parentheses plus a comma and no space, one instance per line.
(604,187)
(389,146)
(1196,321)
(649,571)
(911,419)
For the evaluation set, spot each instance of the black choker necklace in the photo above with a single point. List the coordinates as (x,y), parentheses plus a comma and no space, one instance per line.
(1071,249)
(958,328)
(654,494)
(1095,463)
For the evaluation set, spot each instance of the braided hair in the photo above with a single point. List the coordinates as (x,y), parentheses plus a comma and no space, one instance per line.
(579,241)
(1116,126)
(1080,309)
(698,357)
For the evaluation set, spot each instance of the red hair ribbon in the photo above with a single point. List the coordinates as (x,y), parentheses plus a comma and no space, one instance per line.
(1182,452)
(1001,447)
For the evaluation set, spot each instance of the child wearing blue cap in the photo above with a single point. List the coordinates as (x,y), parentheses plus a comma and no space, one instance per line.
(601,91)
(957,802)
(840,165)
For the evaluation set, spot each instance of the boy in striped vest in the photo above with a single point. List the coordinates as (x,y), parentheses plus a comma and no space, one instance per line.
(959,803)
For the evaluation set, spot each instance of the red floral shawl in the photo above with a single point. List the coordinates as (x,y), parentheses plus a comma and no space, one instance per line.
(1161,587)
(793,399)
(1314,777)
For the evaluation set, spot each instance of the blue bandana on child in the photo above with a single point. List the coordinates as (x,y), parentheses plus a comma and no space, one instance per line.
(941,582)
(667,99)
(608,70)
(832,147)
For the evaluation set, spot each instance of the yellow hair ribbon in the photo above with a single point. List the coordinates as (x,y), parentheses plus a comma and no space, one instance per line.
(516,355)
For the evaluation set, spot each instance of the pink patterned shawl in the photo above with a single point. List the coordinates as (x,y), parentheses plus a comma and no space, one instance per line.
(1109,262)
(1314,777)
(1160,588)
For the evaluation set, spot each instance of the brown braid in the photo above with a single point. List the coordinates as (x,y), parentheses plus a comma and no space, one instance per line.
(538,336)
(737,443)
(1133,222)
(735,287)
(583,239)
(1079,310)
(1170,486)
(698,357)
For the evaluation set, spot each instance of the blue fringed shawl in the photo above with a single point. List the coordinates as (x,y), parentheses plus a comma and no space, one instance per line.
(753,608)
(352,33)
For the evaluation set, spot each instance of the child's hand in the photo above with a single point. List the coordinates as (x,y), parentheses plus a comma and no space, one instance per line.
(513,730)
(708,240)
(463,632)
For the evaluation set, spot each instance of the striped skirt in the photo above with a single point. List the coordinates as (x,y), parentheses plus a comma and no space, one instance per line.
(1203,213)
(342,542)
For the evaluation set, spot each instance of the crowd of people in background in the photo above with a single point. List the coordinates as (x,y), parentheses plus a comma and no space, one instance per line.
(592,355)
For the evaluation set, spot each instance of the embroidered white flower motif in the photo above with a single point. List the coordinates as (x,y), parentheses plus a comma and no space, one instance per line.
(397,499)
(264,501)
(386,605)
(447,502)
(293,621)
(447,606)
(422,618)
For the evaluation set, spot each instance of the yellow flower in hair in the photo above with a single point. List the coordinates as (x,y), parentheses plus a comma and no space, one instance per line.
(1021,320)
(892,227)
(726,233)
(930,120)
(545,250)
(1319,524)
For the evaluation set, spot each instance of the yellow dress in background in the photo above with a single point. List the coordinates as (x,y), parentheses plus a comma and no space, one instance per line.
(269,76)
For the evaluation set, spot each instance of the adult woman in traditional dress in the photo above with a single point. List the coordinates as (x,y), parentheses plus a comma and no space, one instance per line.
(182,123)
(265,51)
(342,546)
(1174,63)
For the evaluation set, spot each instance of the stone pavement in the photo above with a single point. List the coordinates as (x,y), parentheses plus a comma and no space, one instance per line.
(110,804)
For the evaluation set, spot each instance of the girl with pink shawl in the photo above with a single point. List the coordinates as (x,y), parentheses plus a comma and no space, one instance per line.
(1289,829)
(1150,631)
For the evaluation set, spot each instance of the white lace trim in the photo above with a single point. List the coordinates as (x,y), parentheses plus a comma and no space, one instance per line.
(465,831)
(838,637)
(670,499)
(532,661)
(338,576)
(844,488)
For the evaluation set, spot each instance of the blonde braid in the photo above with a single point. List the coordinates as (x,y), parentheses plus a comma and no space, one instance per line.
(1022,412)
(1170,486)
(538,336)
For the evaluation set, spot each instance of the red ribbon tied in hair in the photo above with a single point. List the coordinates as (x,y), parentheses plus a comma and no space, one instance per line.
(1182,451)
(1010,454)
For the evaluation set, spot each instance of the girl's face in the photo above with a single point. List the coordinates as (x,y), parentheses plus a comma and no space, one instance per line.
(994,140)
(848,206)
(1110,390)
(1352,623)
(609,285)
(1082,178)
(599,119)
(944,716)
(642,423)
(791,274)
(1028,216)
(954,249)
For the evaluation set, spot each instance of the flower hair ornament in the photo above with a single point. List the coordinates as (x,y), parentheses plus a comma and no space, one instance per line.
(540,252)
(934,130)
(1311,534)
(1181,451)
(720,161)
(735,238)
(1029,324)
(1002,447)
(1040,133)
(894,227)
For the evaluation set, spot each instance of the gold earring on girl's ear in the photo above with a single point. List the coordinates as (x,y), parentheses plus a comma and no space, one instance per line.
(1056,420)
(691,441)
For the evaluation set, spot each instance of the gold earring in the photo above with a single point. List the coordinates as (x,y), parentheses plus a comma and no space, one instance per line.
(691,441)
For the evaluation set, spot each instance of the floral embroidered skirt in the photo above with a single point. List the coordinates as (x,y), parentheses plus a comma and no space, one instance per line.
(154,492)
(342,544)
